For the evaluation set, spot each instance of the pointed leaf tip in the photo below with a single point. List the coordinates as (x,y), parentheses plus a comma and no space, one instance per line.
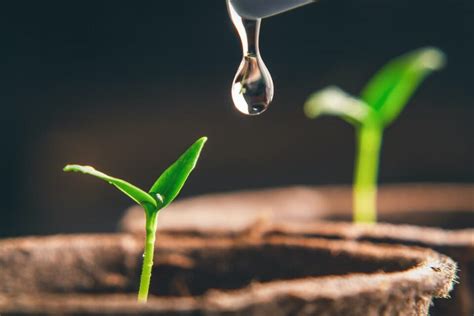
(313,105)
(79,168)
(390,88)
(431,58)
(68,168)
(202,140)
(172,180)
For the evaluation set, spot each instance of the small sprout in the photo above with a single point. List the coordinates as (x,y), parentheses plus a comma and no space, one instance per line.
(380,103)
(161,194)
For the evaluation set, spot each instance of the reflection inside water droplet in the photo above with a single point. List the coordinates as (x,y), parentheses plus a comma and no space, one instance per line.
(252,88)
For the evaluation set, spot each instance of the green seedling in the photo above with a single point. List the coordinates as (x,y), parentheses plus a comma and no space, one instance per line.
(161,194)
(379,104)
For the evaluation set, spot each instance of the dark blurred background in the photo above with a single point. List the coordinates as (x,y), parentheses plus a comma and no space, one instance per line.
(126,86)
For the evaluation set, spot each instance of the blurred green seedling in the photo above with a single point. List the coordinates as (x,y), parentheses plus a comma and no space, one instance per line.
(161,194)
(379,104)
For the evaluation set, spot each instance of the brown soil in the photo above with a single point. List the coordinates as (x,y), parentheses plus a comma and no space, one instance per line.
(98,274)
(305,212)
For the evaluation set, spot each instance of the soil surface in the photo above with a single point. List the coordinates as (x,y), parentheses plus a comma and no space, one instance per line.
(280,275)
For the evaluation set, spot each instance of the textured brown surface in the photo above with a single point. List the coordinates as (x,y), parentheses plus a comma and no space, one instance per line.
(98,274)
(417,204)
(305,211)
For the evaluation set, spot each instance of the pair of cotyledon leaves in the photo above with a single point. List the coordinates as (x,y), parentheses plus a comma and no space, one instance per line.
(164,190)
(386,94)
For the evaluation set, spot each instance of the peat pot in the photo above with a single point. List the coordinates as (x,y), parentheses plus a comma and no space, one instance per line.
(438,216)
(279,275)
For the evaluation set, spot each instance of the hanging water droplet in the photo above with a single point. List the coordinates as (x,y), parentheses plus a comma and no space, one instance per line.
(252,88)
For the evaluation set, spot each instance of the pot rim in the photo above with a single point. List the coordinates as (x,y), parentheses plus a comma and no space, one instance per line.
(226,214)
(430,274)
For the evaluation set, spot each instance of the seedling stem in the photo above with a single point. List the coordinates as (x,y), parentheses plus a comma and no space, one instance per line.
(161,194)
(369,141)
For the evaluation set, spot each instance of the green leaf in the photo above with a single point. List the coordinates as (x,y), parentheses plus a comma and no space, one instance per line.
(334,101)
(389,90)
(135,193)
(170,183)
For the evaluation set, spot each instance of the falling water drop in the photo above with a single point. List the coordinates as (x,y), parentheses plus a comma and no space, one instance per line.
(252,88)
